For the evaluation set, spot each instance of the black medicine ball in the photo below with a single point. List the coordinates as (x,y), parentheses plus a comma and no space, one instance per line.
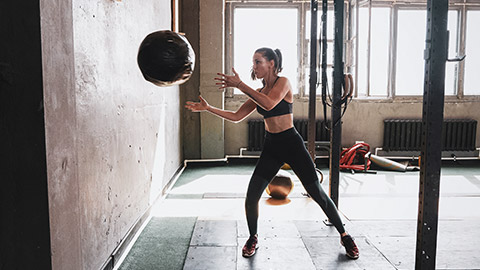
(166,58)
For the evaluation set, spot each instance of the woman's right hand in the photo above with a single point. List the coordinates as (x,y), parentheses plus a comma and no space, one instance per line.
(197,106)
(228,80)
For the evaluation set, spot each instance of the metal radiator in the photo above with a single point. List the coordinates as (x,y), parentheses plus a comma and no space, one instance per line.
(256,132)
(405,135)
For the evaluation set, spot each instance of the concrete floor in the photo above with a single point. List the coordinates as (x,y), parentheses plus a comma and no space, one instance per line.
(379,210)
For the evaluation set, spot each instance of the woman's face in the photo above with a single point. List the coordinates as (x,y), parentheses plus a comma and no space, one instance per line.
(261,66)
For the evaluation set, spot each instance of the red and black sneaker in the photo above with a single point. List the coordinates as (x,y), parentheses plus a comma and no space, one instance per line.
(250,247)
(350,247)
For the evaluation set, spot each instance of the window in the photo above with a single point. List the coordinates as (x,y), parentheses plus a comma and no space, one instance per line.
(373,55)
(410,49)
(289,31)
(306,66)
(472,78)
(384,44)
(452,67)
(283,34)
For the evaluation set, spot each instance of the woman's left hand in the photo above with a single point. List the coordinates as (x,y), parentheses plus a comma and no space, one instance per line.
(228,81)
(197,106)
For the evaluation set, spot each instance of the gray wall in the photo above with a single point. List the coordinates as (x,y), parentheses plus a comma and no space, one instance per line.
(113,139)
(363,120)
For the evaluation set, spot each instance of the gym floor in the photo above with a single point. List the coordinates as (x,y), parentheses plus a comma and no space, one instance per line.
(201,224)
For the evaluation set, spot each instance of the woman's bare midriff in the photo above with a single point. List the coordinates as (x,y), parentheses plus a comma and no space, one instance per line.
(279,123)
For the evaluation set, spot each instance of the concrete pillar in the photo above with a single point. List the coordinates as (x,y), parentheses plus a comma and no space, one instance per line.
(59,93)
(189,24)
(211,55)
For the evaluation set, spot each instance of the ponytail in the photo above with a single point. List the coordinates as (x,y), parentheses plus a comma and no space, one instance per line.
(279,67)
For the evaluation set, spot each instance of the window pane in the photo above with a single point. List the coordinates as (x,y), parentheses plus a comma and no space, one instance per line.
(472,78)
(330,26)
(362,51)
(451,67)
(282,34)
(379,45)
(330,23)
(353,42)
(410,46)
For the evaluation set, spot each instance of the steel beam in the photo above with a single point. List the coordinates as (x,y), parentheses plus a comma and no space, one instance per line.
(336,113)
(313,79)
(435,55)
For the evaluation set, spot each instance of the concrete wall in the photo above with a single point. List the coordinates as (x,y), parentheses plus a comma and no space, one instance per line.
(363,120)
(113,139)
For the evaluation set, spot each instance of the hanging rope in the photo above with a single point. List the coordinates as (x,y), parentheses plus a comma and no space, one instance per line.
(353,158)
(347,82)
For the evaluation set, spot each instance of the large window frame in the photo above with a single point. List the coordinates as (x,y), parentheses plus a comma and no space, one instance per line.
(303,7)
(351,42)
(461,7)
(229,37)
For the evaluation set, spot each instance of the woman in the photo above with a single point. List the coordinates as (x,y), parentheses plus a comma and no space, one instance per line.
(282,142)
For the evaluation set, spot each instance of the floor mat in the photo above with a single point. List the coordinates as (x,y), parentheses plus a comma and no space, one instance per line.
(163,244)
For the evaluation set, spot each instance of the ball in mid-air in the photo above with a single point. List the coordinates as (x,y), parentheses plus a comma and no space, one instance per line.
(166,58)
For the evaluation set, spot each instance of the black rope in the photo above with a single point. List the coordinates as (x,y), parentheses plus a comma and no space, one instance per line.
(325,89)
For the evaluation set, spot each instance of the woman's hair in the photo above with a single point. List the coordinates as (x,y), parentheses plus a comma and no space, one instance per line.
(270,54)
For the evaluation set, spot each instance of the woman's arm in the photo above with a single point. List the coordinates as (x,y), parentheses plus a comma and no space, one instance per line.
(266,101)
(246,109)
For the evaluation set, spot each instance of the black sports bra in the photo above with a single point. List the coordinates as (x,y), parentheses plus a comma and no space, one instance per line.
(283,107)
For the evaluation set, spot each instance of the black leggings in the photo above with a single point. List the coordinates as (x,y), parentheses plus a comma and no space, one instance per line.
(286,146)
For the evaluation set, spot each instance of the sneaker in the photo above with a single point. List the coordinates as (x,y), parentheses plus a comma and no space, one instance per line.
(350,247)
(250,247)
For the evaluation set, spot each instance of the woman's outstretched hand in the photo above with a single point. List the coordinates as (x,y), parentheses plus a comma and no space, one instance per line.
(197,106)
(228,80)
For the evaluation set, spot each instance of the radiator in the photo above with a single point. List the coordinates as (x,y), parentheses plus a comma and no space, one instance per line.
(405,135)
(256,132)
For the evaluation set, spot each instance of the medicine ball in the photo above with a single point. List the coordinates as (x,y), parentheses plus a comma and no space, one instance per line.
(280,186)
(166,58)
